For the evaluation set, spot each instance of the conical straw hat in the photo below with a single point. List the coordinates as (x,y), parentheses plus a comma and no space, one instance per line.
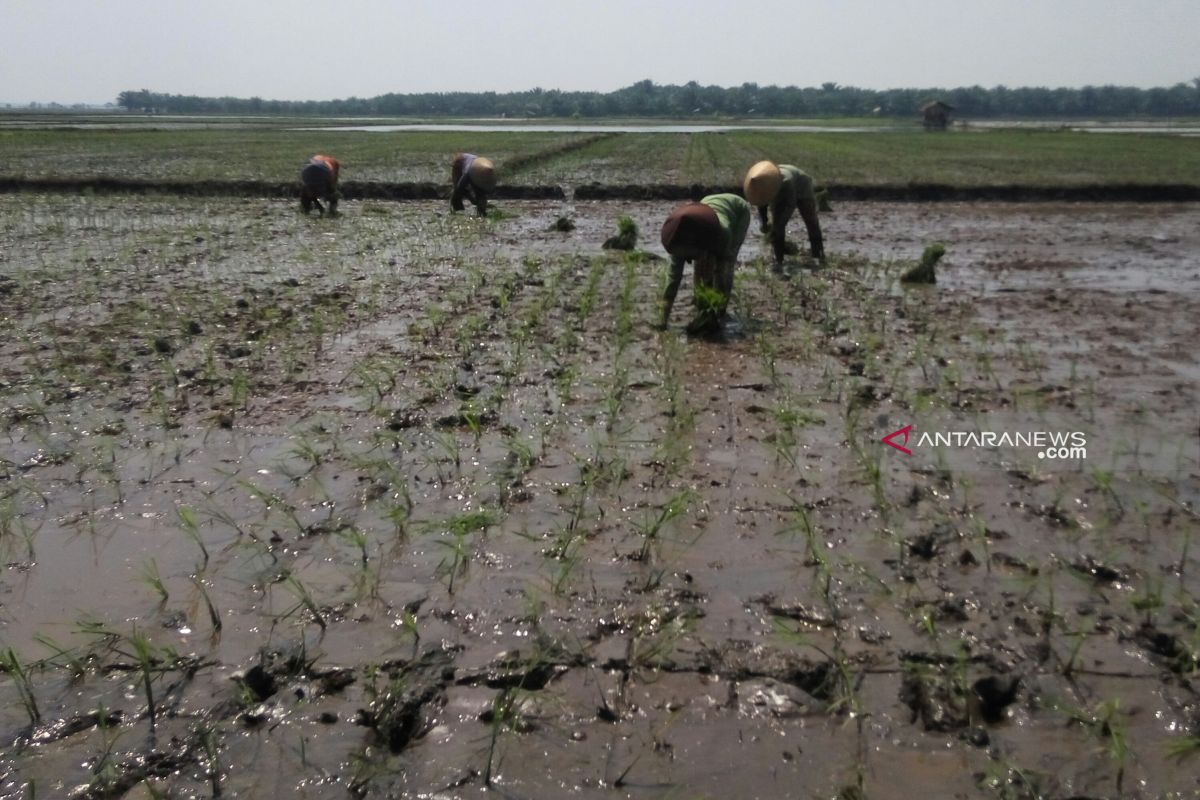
(763,182)
(482,173)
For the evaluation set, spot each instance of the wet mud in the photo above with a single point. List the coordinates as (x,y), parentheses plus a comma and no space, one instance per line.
(371,190)
(409,503)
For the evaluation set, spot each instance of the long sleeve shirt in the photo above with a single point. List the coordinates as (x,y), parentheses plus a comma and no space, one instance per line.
(797,193)
(462,171)
(734,214)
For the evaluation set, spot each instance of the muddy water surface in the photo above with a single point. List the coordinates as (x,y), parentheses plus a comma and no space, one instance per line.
(411,504)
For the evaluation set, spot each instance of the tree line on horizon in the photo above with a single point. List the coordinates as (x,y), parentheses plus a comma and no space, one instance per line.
(647,99)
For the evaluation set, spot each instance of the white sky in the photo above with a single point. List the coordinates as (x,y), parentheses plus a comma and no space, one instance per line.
(73,51)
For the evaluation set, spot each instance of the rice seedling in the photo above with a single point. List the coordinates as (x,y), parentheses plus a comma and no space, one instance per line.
(1078,640)
(614,396)
(407,623)
(104,767)
(214,616)
(152,579)
(189,523)
(768,354)
(144,653)
(654,637)
(1150,599)
(376,378)
(63,657)
(447,443)
(357,538)
(625,306)
(503,715)
(398,511)
(650,527)
(11,663)
(1184,748)
(802,523)
(271,500)
(870,462)
(306,601)
(790,419)
(212,758)
(564,382)
(460,527)
(568,555)
(591,290)
(1103,481)
(472,415)
(217,513)
(841,685)
(1108,723)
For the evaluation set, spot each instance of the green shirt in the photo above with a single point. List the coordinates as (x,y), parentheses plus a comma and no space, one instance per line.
(797,190)
(734,214)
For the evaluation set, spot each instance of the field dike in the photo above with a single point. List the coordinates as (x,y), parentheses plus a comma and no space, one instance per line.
(523,162)
(350,190)
(896,193)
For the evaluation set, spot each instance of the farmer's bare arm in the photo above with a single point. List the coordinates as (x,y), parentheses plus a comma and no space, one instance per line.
(673,281)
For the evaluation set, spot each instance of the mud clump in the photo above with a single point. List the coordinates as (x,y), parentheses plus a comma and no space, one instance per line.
(995,694)
(260,682)
(401,713)
(928,545)
(943,703)
(1178,656)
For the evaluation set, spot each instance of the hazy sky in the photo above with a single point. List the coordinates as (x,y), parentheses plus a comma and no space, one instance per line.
(81,51)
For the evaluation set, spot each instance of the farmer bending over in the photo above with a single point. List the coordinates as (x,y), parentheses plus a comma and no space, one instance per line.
(319,179)
(473,178)
(784,188)
(709,233)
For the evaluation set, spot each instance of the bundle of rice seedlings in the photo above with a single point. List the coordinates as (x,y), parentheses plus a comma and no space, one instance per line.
(710,306)
(924,272)
(626,238)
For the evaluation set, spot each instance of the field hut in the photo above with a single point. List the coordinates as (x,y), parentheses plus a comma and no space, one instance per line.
(936,114)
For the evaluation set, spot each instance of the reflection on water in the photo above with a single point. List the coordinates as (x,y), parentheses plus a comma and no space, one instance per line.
(389,125)
(552,128)
(991,125)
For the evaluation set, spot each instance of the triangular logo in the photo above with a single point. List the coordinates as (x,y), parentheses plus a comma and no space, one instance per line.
(888,440)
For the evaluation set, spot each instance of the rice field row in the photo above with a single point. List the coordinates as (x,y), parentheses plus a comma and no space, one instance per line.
(1034,158)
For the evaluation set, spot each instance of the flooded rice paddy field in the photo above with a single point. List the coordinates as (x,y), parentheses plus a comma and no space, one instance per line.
(405,504)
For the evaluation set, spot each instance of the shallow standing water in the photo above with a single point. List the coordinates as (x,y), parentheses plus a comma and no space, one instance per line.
(405,502)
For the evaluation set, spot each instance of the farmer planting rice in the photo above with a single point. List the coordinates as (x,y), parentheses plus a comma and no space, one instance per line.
(474,178)
(785,189)
(709,233)
(318,180)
